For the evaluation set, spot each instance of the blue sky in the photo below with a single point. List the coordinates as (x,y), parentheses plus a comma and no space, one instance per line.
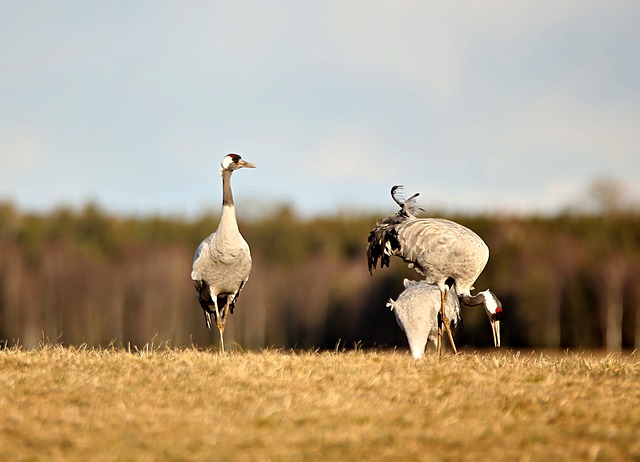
(480,106)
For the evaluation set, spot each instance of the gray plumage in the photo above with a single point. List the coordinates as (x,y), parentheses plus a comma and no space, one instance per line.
(441,250)
(222,262)
(417,309)
(438,249)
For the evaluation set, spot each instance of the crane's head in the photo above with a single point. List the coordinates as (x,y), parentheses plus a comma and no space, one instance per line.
(493,308)
(233,162)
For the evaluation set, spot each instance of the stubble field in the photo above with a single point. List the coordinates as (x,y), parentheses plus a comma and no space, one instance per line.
(187,404)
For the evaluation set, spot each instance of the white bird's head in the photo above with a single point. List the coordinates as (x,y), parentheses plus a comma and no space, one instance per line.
(493,308)
(233,162)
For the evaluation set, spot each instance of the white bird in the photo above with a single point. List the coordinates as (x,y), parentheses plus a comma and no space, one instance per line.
(222,262)
(443,251)
(418,307)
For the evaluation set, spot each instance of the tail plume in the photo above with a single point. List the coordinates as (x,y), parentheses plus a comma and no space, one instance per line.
(383,242)
(383,239)
(410,205)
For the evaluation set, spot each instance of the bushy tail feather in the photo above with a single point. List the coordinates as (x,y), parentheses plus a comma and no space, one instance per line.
(383,239)
(380,238)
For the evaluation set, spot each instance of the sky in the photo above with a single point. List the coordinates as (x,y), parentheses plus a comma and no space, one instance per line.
(481,106)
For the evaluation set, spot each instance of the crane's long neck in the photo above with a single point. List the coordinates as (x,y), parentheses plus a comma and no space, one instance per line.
(227,194)
(228,220)
(470,300)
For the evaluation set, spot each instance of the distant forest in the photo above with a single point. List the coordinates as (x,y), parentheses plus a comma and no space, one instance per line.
(83,276)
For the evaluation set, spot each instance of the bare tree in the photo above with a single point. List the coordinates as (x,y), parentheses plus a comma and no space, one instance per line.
(612,277)
(608,195)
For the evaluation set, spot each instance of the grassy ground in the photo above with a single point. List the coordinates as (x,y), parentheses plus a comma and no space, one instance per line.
(78,404)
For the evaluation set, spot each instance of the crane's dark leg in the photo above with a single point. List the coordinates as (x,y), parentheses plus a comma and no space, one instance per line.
(439,344)
(446,322)
(207,318)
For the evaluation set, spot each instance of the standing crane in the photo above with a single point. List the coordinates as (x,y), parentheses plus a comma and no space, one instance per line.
(418,307)
(222,262)
(443,251)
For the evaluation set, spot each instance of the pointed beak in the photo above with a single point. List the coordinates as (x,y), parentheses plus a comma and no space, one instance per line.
(495,327)
(244,163)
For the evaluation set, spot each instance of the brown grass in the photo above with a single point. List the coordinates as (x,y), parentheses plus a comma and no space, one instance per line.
(166,404)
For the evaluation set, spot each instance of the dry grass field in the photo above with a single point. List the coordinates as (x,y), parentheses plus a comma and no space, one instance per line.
(186,404)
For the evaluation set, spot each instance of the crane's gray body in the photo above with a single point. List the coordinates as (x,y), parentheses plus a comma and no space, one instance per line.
(417,309)
(440,249)
(222,263)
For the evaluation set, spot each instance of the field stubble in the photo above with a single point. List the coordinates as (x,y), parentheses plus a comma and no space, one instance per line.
(187,404)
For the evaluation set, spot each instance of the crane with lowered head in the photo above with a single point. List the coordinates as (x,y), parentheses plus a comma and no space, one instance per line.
(417,311)
(443,251)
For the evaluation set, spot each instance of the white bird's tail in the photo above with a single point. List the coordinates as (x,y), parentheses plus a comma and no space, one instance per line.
(391,304)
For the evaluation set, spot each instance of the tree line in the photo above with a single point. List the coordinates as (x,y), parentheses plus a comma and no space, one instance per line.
(85,276)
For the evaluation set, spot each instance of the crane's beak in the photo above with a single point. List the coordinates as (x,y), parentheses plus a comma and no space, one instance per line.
(244,163)
(495,327)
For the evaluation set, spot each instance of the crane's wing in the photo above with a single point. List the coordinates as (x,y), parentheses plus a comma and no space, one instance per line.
(440,248)
(198,252)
